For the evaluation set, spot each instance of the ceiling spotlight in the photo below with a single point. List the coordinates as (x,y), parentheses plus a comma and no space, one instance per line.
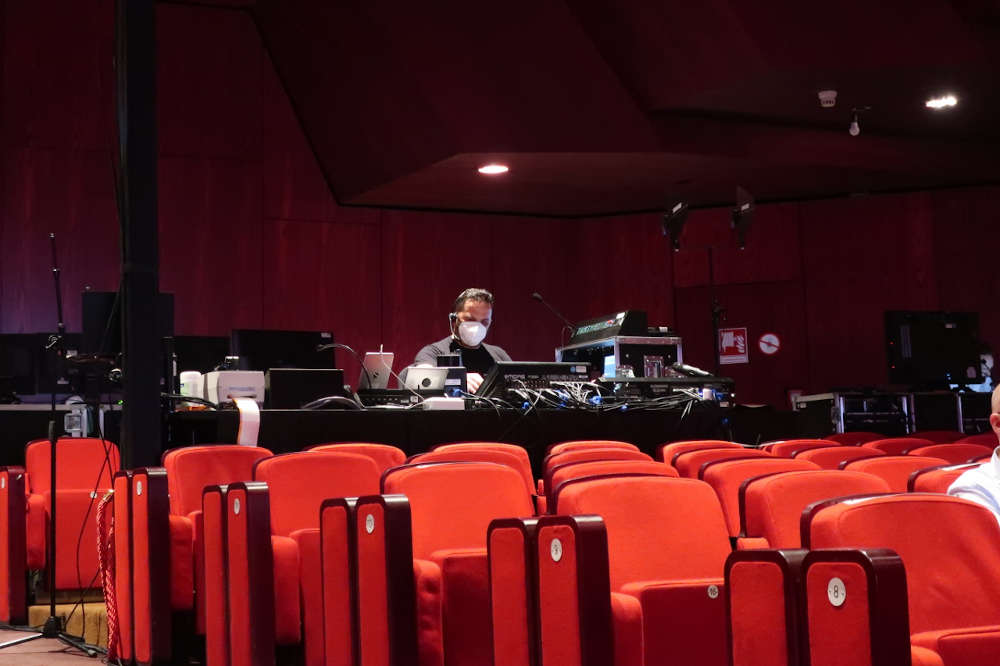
(941,102)
(493,169)
(827,98)
(673,223)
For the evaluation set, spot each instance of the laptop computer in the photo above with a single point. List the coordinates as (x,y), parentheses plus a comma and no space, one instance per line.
(424,379)
(376,371)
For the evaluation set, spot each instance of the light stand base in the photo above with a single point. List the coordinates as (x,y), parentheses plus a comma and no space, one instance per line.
(52,629)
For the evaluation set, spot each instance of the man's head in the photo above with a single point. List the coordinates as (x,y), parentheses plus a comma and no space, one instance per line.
(995,416)
(471,316)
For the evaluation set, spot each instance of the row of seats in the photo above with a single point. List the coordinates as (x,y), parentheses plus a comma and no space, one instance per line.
(255,540)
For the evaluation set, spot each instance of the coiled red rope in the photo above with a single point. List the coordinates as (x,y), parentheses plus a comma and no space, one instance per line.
(106,557)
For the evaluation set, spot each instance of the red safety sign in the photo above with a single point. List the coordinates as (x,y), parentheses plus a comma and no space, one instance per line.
(733,346)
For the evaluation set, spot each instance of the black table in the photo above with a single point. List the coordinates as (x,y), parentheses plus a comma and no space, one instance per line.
(416,431)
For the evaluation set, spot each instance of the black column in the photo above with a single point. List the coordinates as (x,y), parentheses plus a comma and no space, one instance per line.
(136,112)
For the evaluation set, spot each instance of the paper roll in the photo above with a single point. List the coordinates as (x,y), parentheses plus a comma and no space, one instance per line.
(249,421)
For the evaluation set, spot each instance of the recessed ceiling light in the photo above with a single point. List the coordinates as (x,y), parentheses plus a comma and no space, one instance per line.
(493,169)
(941,102)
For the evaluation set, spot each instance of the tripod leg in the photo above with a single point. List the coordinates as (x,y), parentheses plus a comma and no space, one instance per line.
(79,644)
(18,641)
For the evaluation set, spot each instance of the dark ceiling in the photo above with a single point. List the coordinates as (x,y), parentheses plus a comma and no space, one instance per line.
(609,106)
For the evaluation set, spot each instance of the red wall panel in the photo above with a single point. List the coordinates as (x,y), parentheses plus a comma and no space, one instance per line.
(251,236)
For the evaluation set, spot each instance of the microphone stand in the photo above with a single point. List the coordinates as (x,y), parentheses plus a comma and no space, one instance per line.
(53,627)
(568,324)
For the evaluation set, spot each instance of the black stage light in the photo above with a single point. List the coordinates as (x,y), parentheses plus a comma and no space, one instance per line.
(742,215)
(673,223)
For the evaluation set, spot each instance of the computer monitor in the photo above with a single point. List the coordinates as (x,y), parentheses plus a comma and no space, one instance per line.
(200,352)
(102,321)
(263,349)
(932,349)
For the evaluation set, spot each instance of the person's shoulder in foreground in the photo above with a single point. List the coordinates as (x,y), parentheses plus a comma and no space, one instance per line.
(982,484)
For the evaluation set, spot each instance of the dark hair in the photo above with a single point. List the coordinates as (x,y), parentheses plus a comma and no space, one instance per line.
(472,294)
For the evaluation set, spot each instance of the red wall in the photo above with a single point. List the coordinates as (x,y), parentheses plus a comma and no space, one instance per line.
(250,236)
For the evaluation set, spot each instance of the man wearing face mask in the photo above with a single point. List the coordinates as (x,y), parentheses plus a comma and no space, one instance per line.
(469,320)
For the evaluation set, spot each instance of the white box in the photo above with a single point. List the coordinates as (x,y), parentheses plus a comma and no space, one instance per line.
(222,386)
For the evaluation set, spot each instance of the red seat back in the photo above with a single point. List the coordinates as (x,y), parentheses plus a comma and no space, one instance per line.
(985,438)
(896,470)
(299,482)
(191,468)
(452,504)
(896,446)
(513,449)
(560,474)
(384,455)
(856,438)
(949,546)
(726,476)
(689,464)
(79,463)
(771,506)
(831,457)
(583,455)
(658,528)
(937,479)
(953,453)
(666,452)
(590,444)
(480,454)
(939,436)
(788,447)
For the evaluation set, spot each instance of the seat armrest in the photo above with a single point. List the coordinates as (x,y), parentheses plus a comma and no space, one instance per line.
(685,619)
(386,581)
(752,543)
(13,541)
(338,552)
(626,613)
(963,646)
(428,584)
(763,603)
(513,598)
(855,607)
(151,565)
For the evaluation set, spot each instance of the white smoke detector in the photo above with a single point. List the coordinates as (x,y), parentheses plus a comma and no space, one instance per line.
(827,98)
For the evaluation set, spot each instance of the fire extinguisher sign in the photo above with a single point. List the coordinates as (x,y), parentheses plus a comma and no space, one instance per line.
(733,346)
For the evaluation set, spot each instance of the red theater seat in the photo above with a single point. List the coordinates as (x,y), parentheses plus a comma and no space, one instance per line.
(832,457)
(771,506)
(168,534)
(297,485)
(897,446)
(384,455)
(422,575)
(480,454)
(787,448)
(939,436)
(953,453)
(937,479)
(584,455)
(855,438)
(896,470)
(986,439)
(667,452)
(951,551)
(561,474)
(85,467)
(575,445)
(689,464)
(666,547)
(726,476)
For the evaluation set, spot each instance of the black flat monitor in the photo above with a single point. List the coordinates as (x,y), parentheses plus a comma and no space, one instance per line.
(263,349)
(200,352)
(932,349)
(25,363)
(102,321)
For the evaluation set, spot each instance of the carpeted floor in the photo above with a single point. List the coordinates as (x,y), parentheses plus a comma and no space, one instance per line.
(41,652)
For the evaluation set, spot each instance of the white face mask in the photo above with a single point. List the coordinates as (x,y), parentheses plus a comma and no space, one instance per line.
(471,333)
